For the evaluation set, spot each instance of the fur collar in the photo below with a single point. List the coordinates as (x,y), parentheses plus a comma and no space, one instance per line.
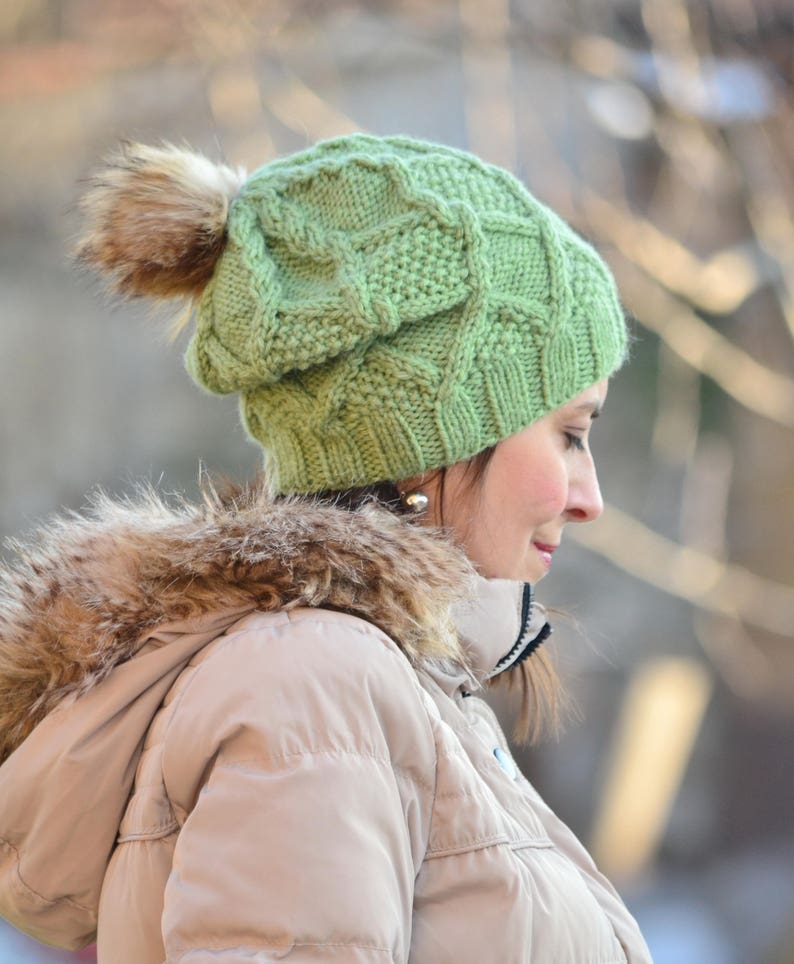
(87,587)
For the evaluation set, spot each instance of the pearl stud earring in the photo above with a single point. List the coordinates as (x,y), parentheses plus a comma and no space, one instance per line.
(415,501)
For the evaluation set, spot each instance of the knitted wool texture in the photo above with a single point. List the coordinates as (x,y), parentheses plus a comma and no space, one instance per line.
(386,306)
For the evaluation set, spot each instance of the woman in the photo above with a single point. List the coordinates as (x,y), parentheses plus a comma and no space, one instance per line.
(247,731)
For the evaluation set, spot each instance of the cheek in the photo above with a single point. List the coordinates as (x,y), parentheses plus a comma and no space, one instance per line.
(548,494)
(538,492)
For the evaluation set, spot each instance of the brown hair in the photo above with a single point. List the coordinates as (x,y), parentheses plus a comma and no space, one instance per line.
(533,684)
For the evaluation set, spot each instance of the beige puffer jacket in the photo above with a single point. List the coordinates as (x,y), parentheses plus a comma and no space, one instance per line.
(242,733)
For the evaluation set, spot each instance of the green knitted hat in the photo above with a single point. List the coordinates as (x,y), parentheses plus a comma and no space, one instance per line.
(386,306)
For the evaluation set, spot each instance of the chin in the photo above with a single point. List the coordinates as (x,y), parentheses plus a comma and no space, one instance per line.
(531,574)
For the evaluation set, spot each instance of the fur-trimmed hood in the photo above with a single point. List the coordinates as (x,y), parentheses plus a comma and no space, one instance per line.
(126,596)
(87,589)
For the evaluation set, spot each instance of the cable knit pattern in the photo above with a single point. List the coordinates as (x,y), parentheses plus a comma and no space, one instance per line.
(385,306)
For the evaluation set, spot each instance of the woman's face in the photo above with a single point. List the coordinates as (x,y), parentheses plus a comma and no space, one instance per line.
(536,481)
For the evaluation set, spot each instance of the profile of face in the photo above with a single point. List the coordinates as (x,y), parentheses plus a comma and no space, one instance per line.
(511,521)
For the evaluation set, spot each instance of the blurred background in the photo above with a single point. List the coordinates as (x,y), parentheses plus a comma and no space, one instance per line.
(664,131)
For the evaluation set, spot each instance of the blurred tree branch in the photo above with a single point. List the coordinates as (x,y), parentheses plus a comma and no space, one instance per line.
(688,573)
(757,387)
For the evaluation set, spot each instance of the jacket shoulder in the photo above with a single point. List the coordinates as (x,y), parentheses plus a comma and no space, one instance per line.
(300,740)
(277,687)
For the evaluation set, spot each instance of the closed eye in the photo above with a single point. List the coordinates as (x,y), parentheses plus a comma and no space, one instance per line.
(574,441)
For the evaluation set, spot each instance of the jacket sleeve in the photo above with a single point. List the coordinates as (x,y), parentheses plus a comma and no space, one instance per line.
(301,761)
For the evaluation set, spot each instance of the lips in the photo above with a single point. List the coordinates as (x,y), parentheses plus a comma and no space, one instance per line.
(544,551)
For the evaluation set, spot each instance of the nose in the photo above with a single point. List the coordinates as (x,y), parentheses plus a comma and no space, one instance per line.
(584,494)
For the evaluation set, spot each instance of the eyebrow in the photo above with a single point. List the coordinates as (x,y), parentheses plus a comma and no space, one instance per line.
(592,407)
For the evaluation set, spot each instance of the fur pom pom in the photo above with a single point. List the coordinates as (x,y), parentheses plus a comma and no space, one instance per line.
(155,220)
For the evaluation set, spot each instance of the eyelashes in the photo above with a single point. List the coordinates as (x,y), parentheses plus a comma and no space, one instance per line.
(574,442)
